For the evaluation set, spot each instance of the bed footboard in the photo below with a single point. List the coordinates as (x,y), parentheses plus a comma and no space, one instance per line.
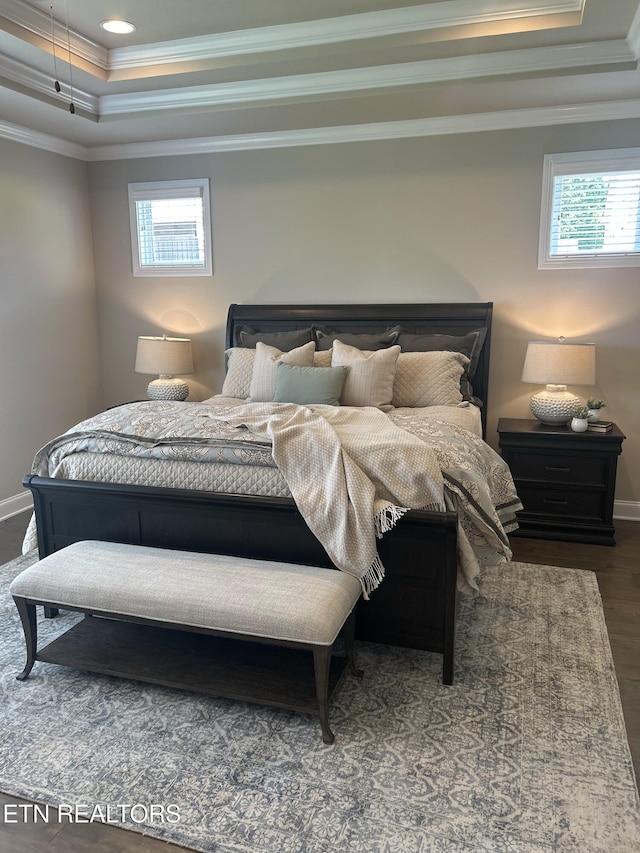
(414,607)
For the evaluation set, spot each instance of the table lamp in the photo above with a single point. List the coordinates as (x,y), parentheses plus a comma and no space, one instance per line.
(166,357)
(557,364)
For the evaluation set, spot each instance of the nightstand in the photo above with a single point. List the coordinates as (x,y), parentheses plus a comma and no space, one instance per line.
(566,480)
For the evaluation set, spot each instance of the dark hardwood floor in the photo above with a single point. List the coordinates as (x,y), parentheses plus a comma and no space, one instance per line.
(618,572)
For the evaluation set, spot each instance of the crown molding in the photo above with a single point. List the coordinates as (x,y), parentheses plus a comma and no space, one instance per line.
(37,23)
(525,61)
(35,139)
(437,126)
(365,25)
(36,81)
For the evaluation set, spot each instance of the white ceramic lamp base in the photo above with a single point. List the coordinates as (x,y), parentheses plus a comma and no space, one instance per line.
(167,388)
(555,405)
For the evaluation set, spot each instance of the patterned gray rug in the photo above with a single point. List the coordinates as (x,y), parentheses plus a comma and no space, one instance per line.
(526,753)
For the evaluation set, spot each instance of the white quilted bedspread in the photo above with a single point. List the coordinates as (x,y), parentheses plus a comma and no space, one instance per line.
(180,445)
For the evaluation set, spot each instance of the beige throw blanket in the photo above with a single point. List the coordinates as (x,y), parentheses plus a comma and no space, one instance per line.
(351,472)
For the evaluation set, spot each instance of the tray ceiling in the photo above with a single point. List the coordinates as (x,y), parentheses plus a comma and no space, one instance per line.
(232,74)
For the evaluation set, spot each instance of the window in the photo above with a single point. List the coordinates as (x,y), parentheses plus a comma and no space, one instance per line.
(170,228)
(591,209)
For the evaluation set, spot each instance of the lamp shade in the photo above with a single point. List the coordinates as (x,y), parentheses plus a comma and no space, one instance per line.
(552,362)
(165,357)
(557,364)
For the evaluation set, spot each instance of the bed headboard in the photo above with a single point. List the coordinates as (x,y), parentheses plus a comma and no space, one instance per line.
(454,318)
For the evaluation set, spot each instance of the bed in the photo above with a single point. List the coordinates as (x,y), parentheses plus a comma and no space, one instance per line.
(415,604)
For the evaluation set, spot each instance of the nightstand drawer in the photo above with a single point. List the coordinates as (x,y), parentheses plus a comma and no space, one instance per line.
(549,468)
(561,503)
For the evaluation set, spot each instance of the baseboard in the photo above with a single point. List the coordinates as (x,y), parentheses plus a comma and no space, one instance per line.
(626,510)
(15,505)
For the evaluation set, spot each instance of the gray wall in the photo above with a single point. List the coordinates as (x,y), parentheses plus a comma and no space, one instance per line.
(435,219)
(49,376)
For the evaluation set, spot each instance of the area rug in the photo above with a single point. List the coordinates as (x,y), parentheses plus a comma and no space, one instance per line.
(525,753)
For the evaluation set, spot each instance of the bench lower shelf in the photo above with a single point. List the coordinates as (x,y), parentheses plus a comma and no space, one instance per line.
(226,668)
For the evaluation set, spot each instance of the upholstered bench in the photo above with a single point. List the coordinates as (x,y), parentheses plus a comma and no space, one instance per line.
(174,618)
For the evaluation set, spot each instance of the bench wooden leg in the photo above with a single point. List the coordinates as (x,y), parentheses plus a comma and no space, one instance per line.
(29,626)
(349,633)
(322,664)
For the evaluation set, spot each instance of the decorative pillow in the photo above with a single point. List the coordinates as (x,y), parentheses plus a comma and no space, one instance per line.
(370,377)
(381,340)
(308,385)
(237,381)
(265,367)
(322,359)
(428,378)
(284,341)
(470,345)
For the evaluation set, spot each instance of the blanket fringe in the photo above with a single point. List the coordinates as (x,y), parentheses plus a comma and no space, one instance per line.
(385,521)
(372,578)
(388,518)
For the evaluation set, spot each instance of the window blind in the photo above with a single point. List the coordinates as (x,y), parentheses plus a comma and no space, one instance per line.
(596,213)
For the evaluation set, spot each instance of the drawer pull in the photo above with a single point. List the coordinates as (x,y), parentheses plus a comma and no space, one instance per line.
(549,501)
(564,470)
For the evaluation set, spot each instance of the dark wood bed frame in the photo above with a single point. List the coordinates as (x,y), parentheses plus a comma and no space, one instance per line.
(414,607)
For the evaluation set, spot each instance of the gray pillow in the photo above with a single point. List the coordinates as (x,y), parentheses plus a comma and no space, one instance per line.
(284,341)
(309,385)
(470,345)
(380,340)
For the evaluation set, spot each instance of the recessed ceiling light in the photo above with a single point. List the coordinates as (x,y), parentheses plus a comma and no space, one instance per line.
(120,27)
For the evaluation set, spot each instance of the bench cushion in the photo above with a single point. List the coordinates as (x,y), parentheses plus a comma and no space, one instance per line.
(257,598)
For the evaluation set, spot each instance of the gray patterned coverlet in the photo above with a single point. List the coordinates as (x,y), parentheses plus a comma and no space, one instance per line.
(476,481)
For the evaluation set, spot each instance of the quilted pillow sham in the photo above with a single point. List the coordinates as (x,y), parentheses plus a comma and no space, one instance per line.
(470,345)
(265,368)
(370,374)
(428,379)
(309,385)
(237,380)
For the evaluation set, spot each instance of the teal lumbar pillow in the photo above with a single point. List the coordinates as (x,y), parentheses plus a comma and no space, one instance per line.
(307,386)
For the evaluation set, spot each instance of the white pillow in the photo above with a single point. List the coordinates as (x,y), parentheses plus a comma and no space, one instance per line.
(428,378)
(237,381)
(322,358)
(265,368)
(370,374)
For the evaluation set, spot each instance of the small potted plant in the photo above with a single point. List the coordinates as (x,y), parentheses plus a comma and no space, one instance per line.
(580,419)
(594,407)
